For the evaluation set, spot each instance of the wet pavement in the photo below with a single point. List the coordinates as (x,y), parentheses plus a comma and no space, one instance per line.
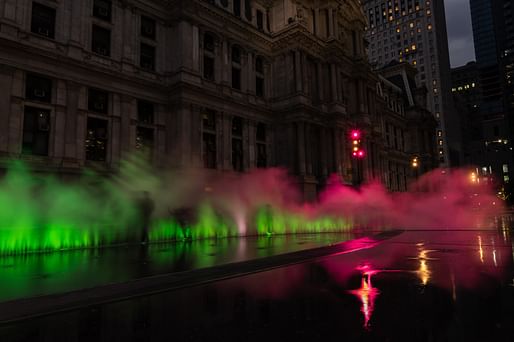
(417,286)
(44,274)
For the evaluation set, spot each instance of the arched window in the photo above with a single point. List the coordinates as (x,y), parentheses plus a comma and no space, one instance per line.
(259,77)
(236,67)
(209,56)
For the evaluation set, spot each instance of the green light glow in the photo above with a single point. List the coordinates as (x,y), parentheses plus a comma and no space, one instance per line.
(42,214)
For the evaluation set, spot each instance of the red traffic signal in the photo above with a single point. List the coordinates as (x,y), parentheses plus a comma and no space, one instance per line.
(357,151)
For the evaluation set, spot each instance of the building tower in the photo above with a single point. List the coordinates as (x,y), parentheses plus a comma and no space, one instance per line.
(415,32)
(493,35)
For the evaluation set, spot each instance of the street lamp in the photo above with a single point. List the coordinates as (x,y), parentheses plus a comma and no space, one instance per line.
(415,162)
(415,165)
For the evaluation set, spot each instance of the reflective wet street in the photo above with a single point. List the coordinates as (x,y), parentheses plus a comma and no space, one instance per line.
(417,286)
(43,274)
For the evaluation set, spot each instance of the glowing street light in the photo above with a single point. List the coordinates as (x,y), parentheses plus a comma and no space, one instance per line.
(473,177)
(415,162)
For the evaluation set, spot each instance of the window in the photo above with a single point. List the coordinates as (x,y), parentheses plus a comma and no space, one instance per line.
(145,134)
(248,10)
(259,77)
(237,144)
(145,112)
(260,20)
(236,68)
(261,146)
(96,139)
(209,139)
(147,57)
(101,41)
(237,7)
(102,9)
(505,168)
(38,88)
(208,57)
(43,20)
(144,139)
(98,101)
(148,27)
(36,127)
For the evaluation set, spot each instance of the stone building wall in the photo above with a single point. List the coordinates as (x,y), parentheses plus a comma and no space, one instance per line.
(206,84)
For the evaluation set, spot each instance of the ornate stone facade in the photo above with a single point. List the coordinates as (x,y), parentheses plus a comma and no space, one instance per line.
(225,85)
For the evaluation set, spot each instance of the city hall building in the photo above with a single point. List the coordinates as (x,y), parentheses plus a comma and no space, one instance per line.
(224,85)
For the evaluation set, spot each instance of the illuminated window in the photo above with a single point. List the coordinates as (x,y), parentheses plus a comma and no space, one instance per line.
(505,168)
(96,139)
(439,133)
(429,27)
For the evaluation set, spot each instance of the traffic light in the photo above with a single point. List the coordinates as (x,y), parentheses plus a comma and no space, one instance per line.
(357,151)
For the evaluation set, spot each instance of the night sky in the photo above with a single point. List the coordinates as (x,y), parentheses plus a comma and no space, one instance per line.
(460,34)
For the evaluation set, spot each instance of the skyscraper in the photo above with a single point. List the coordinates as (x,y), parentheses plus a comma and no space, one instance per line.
(414,31)
(493,35)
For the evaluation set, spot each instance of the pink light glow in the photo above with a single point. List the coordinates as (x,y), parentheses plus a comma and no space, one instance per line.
(356,134)
(367,295)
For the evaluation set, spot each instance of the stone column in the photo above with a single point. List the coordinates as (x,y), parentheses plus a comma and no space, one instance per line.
(226,63)
(320,81)
(115,129)
(16,117)
(330,18)
(305,80)
(337,150)
(252,131)
(298,70)
(76,22)
(10,10)
(196,136)
(129,24)
(58,124)
(6,77)
(324,148)
(246,61)
(308,148)
(225,141)
(300,146)
(316,20)
(333,83)
(127,129)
